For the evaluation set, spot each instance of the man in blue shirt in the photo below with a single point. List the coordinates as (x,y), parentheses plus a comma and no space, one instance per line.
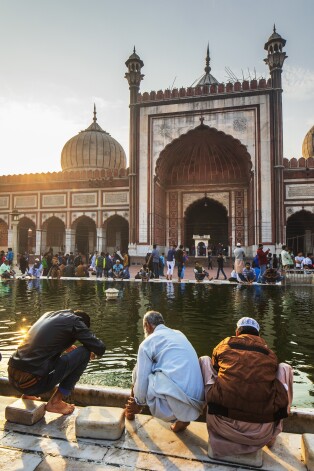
(117,269)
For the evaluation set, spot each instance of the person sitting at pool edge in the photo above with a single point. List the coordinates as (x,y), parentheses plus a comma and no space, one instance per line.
(167,376)
(248,274)
(117,269)
(271,276)
(200,273)
(47,357)
(247,392)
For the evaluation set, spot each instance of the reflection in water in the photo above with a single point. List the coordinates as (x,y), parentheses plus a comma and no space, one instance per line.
(205,313)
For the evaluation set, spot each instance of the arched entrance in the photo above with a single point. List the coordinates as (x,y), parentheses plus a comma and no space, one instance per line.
(117,233)
(53,234)
(85,235)
(206,161)
(300,231)
(3,235)
(26,235)
(206,217)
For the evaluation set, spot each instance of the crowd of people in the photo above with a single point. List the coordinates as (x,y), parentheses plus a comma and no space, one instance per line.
(265,267)
(243,390)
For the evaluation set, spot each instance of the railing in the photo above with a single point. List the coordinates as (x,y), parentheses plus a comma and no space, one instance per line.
(299,277)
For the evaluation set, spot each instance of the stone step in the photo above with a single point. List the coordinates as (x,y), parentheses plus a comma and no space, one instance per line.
(307,450)
(25,411)
(249,459)
(104,423)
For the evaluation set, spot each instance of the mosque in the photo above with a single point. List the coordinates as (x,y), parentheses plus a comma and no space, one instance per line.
(206,166)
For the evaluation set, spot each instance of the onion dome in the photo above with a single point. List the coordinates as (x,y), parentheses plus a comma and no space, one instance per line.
(308,144)
(207,78)
(92,149)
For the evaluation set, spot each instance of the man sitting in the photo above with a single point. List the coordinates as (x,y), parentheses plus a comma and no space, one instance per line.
(247,391)
(271,276)
(143,274)
(5,270)
(48,358)
(248,274)
(117,269)
(167,376)
(36,270)
(200,273)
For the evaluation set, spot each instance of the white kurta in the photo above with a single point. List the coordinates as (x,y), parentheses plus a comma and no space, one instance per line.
(168,377)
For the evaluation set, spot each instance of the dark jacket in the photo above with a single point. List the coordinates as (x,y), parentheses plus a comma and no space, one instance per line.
(246,388)
(48,338)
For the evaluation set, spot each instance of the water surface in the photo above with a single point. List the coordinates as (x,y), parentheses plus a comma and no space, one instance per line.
(204,313)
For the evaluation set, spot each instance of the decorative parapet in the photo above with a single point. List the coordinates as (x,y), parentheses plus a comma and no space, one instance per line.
(203,90)
(298,163)
(68,175)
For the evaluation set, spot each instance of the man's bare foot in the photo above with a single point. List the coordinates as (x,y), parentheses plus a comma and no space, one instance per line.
(57,405)
(32,398)
(179,426)
(60,407)
(271,443)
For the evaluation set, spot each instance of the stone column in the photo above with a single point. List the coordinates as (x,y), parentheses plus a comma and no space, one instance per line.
(69,240)
(134,78)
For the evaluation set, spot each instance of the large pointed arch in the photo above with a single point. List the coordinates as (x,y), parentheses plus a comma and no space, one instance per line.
(85,234)
(300,231)
(54,229)
(204,155)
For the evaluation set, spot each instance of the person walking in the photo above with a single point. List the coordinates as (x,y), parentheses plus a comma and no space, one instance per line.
(220,266)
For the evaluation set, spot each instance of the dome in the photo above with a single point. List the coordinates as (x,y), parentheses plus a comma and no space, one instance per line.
(308,144)
(92,149)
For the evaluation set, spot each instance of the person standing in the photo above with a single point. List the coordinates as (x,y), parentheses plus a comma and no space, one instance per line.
(179,257)
(286,260)
(99,264)
(167,376)
(170,261)
(47,357)
(262,259)
(155,257)
(209,260)
(239,256)
(10,256)
(220,266)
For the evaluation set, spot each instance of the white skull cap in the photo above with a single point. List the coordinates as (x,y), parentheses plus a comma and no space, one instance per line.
(248,322)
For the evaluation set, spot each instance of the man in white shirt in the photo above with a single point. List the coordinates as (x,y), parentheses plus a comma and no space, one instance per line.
(239,256)
(286,260)
(167,376)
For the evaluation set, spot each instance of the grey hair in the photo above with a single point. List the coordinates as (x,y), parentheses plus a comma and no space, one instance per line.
(153,318)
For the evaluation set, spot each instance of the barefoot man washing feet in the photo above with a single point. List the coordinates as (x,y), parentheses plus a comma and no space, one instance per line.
(47,359)
(167,376)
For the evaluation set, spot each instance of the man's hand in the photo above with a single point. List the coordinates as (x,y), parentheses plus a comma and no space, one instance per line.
(132,408)
(70,349)
(92,356)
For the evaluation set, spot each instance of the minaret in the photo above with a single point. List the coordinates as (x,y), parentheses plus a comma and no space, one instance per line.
(134,78)
(275,59)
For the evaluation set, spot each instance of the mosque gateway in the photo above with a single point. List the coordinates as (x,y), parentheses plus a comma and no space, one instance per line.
(204,160)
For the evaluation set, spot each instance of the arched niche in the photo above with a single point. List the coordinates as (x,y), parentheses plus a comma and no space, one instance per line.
(85,234)
(26,230)
(116,230)
(206,217)
(53,234)
(300,231)
(3,235)
(204,155)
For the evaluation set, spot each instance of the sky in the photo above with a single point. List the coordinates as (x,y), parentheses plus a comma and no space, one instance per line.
(58,58)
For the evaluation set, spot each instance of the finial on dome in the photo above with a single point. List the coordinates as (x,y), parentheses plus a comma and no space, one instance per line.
(134,51)
(95,118)
(274,28)
(207,66)
(202,120)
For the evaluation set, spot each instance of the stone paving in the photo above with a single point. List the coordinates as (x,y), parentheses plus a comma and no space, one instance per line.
(146,444)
